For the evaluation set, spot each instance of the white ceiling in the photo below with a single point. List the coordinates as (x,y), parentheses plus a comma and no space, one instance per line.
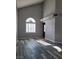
(25,3)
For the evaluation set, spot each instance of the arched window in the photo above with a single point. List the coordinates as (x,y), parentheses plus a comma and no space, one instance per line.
(30,25)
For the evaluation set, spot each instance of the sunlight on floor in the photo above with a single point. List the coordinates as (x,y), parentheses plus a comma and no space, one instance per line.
(57,48)
(47,44)
(43,42)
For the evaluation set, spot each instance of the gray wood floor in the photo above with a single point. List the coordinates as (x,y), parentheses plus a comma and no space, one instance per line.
(31,49)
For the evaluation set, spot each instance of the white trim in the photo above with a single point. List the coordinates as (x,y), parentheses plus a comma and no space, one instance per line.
(50,40)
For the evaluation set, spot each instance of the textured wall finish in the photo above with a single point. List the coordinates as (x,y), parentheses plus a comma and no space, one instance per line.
(35,12)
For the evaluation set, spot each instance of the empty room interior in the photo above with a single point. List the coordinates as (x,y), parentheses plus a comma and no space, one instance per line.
(39,29)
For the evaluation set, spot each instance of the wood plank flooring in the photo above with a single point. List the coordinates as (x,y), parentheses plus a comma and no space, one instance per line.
(31,49)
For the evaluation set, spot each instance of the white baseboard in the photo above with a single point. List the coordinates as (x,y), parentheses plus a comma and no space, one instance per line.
(52,40)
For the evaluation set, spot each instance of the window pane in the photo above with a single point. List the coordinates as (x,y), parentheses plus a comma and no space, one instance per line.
(27,27)
(34,27)
(30,27)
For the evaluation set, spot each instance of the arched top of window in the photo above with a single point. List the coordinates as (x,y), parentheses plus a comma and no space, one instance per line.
(30,25)
(30,20)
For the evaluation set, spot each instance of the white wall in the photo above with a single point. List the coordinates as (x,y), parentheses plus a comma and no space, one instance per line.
(48,8)
(54,25)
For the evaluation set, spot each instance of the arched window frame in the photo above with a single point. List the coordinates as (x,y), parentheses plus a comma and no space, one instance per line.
(30,25)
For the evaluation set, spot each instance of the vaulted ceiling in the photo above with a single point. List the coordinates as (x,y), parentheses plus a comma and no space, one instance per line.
(25,3)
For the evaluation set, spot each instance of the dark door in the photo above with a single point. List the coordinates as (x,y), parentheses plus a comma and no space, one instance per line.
(43,30)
